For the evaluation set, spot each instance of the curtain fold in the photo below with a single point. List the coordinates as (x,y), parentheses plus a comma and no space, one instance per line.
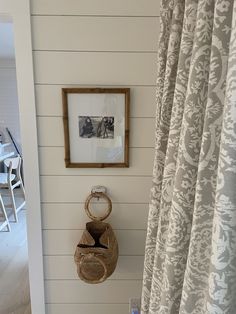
(190,255)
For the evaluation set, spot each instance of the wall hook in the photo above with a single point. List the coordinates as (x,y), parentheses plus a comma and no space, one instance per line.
(99,189)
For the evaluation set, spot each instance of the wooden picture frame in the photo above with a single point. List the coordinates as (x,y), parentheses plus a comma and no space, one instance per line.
(96,127)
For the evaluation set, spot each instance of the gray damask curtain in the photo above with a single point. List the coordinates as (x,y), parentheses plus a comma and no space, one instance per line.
(190,257)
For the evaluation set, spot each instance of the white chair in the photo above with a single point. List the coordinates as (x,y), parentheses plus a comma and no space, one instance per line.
(4,223)
(11,181)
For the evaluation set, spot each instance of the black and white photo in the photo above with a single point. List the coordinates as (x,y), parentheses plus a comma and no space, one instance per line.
(96,126)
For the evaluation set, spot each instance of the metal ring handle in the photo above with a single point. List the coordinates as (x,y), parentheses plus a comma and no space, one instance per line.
(97,195)
(83,260)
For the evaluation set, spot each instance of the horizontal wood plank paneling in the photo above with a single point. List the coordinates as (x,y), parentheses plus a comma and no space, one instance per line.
(102,33)
(103,43)
(64,267)
(52,163)
(73,216)
(96,7)
(50,132)
(103,68)
(49,100)
(72,291)
(73,189)
(63,242)
(87,308)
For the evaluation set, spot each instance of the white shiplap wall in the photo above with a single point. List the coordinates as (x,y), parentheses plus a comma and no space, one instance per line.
(94,43)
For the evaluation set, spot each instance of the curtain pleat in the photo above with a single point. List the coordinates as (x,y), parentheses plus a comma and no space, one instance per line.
(190,225)
(222,272)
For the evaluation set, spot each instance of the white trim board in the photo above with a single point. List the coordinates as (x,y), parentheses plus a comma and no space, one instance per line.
(19,11)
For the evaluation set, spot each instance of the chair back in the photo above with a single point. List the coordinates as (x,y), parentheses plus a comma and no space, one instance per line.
(13,163)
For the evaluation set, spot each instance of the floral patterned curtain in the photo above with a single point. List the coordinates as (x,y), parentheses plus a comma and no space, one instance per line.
(190,256)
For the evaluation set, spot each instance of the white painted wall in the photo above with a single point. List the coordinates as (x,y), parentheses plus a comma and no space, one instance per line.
(7,47)
(94,43)
(9,108)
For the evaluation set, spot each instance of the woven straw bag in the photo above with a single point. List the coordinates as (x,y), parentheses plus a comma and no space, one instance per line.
(96,254)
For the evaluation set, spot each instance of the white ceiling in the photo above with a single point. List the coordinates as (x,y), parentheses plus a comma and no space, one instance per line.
(6,40)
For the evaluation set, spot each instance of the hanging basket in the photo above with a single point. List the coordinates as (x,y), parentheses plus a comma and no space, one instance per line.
(96,254)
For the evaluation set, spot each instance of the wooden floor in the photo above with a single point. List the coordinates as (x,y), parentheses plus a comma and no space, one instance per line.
(14,282)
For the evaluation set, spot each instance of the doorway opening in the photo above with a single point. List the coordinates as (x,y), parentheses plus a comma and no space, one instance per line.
(14,278)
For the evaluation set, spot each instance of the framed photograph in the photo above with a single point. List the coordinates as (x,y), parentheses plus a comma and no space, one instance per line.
(96,127)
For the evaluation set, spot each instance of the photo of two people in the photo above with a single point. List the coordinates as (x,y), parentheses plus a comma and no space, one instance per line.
(96,126)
